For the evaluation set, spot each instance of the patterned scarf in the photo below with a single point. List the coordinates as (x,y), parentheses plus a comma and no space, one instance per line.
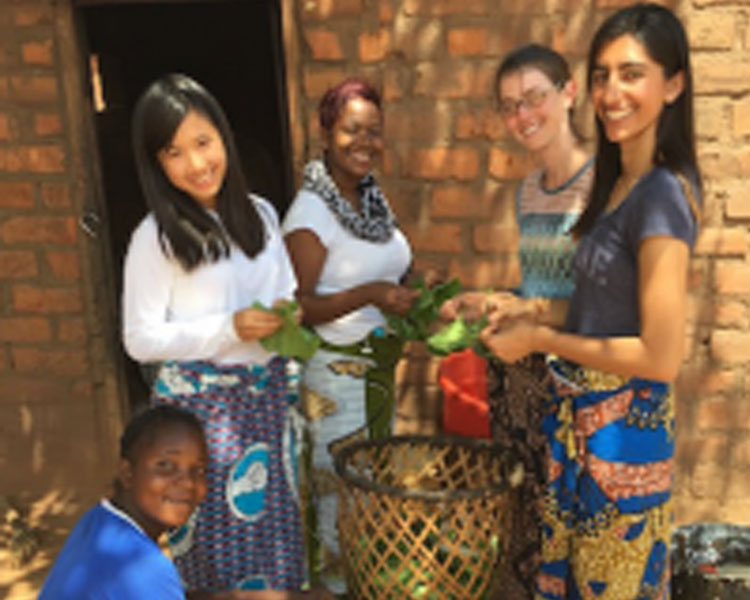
(374,224)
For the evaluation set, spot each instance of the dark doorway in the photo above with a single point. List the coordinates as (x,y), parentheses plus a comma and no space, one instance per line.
(233,47)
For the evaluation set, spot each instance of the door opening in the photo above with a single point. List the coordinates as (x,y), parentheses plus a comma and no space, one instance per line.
(234,48)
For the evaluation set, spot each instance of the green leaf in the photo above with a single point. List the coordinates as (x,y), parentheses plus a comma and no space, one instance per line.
(291,339)
(456,336)
(425,310)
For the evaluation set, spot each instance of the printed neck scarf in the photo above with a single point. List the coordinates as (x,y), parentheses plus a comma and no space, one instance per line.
(375,223)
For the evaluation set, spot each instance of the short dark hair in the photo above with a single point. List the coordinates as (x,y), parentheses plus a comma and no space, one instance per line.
(194,236)
(662,35)
(145,426)
(335,98)
(534,56)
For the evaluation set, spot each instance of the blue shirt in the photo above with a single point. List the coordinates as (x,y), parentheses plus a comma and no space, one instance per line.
(605,301)
(108,557)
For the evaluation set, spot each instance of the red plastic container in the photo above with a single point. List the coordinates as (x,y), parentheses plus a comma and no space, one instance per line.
(463,380)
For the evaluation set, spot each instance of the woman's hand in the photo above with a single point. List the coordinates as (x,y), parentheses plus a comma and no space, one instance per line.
(392,298)
(510,342)
(470,305)
(253,324)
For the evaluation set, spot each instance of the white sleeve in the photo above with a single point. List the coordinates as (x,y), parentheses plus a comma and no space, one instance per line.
(148,335)
(309,211)
(286,283)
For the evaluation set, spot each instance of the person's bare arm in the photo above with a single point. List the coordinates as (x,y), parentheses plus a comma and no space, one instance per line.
(655,354)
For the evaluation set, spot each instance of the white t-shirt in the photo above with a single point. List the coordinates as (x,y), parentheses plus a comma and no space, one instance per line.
(350,261)
(173,314)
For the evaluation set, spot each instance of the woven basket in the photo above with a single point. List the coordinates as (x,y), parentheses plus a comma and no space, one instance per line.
(421,517)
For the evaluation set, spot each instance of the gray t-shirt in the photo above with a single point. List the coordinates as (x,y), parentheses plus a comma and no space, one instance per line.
(605,301)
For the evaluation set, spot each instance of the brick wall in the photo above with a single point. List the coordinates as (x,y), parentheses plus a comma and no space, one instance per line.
(450,171)
(54,415)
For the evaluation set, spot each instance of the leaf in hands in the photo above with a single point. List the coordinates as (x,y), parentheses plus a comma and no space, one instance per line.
(425,310)
(456,336)
(291,339)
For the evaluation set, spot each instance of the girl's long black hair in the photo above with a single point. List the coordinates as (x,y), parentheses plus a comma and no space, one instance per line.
(192,234)
(663,36)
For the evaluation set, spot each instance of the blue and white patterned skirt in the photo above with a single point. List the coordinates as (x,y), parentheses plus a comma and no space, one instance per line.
(247,533)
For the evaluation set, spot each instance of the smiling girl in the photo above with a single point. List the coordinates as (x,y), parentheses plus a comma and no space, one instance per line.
(196,265)
(610,432)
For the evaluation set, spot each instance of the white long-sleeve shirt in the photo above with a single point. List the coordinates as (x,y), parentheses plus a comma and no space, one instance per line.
(172,314)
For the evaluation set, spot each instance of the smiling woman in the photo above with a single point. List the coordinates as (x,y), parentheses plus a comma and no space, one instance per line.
(610,426)
(338,217)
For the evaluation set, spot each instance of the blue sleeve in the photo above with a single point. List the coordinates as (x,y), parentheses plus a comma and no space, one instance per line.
(662,210)
(150,576)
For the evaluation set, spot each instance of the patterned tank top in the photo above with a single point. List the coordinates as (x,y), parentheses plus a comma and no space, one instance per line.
(545,216)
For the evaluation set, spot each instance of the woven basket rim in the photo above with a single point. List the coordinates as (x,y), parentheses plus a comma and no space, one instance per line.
(341,457)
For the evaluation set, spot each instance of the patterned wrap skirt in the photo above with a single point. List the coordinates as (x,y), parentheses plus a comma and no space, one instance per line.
(333,402)
(607,510)
(517,396)
(247,533)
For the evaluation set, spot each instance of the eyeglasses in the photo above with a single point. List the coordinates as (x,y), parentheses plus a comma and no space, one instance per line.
(532,98)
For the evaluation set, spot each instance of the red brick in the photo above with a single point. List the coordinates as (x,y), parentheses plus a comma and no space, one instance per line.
(443,163)
(385,11)
(4,88)
(25,330)
(52,230)
(435,238)
(417,122)
(704,381)
(732,277)
(47,124)
(55,362)
(72,330)
(707,480)
(480,124)
(440,8)
(323,44)
(320,10)
(418,40)
(741,119)
(739,484)
(722,241)
(317,82)
(16,194)
(509,165)
(34,159)
(27,14)
(56,195)
(485,273)
(17,264)
(33,88)
(714,72)
(721,165)
(741,454)
(730,346)
(467,41)
(64,265)
(724,312)
(374,47)
(495,238)
(393,87)
(38,53)
(710,117)
(703,448)
(460,201)
(715,30)
(6,132)
(457,79)
(43,300)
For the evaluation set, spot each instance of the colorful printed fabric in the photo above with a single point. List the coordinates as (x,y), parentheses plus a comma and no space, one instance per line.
(545,217)
(607,512)
(517,396)
(333,401)
(247,533)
